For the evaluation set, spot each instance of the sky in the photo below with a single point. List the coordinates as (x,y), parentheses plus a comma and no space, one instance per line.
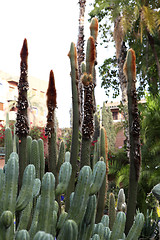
(49,27)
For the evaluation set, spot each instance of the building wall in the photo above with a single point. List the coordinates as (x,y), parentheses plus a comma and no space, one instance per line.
(36,97)
(117,118)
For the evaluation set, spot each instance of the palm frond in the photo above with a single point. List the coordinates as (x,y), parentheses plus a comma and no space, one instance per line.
(148,16)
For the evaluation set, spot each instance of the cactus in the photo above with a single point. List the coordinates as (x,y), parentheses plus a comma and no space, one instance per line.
(134,131)
(33,227)
(121,205)
(87,225)
(118,226)
(64,178)
(25,216)
(81,195)
(103,189)
(6,225)
(136,228)
(50,127)
(87,126)
(70,231)
(67,157)
(8,143)
(8,200)
(41,156)
(76,119)
(99,229)
(94,34)
(105,220)
(41,235)
(98,175)
(111,211)
(61,155)
(156,191)
(26,192)
(45,217)
(35,157)
(95,237)
(61,220)
(22,126)
(28,146)
(22,235)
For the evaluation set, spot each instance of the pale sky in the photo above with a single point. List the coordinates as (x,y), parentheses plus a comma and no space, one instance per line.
(49,26)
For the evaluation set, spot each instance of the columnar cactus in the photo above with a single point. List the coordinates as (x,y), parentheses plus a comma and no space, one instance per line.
(8,143)
(87,80)
(134,132)
(50,127)
(94,34)
(111,211)
(76,120)
(103,189)
(22,126)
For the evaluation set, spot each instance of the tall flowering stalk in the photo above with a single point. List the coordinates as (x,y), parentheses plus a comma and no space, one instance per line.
(87,80)
(50,127)
(80,53)
(134,133)
(22,125)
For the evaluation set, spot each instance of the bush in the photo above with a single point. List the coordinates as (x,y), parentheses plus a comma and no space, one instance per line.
(37,132)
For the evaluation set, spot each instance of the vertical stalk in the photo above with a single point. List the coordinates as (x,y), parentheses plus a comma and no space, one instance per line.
(134,132)
(80,53)
(50,129)
(87,80)
(75,128)
(22,126)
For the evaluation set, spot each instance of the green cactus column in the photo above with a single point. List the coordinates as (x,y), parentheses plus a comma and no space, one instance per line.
(75,128)
(103,190)
(22,126)
(87,80)
(50,127)
(94,34)
(134,132)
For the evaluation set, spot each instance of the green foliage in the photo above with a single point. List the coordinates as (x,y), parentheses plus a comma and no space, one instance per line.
(140,28)
(150,228)
(37,132)
(109,76)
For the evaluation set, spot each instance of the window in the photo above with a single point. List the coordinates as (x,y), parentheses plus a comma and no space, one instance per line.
(115,115)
